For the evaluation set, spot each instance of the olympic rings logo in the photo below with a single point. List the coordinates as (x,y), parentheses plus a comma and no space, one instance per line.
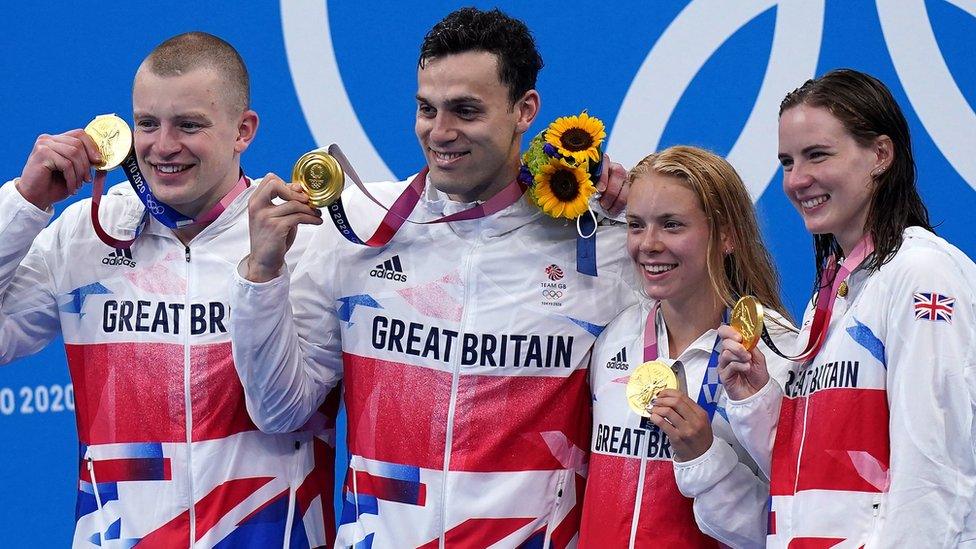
(552,294)
(153,206)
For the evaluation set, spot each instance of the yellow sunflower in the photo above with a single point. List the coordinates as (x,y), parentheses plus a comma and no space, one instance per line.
(577,137)
(562,190)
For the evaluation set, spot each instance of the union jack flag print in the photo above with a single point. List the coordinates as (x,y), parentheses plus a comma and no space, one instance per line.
(934,307)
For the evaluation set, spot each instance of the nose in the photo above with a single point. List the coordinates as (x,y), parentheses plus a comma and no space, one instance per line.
(797,178)
(651,242)
(167,142)
(442,128)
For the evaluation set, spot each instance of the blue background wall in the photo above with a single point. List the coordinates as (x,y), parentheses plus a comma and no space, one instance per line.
(658,73)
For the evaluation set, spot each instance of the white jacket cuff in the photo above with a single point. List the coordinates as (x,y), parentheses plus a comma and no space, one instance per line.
(12,201)
(699,475)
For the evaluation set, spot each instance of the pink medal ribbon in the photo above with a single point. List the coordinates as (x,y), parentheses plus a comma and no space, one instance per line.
(708,394)
(825,299)
(404,205)
(98,185)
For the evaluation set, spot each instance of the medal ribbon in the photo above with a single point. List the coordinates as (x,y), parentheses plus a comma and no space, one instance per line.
(708,394)
(833,275)
(162,212)
(404,205)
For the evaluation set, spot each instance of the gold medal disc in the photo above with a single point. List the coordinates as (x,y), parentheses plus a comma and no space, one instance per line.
(113,138)
(747,319)
(320,176)
(649,379)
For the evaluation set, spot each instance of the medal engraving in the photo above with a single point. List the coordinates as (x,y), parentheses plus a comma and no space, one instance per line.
(747,319)
(649,379)
(320,176)
(112,137)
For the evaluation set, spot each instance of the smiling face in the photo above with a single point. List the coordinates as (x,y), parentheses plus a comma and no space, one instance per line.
(468,128)
(667,238)
(189,136)
(827,174)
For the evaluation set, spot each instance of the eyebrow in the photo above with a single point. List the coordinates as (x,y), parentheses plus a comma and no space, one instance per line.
(190,114)
(454,100)
(805,150)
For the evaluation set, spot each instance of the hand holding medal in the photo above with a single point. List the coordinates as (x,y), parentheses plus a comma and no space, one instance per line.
(113,138)
(320,176)
(649,379)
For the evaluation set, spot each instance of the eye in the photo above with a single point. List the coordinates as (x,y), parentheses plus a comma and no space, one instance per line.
(787,163)
(672,225)
(467,113)
(426,110)
(190,127)
(818,155)
(634,225)
(146,124)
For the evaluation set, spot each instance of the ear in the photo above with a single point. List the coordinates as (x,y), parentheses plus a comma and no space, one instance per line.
(247,128)
(884,151)
(527,108)
(726,245)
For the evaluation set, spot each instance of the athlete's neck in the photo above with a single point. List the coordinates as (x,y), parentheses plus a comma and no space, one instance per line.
(502,178)
(687,320)
(202,207)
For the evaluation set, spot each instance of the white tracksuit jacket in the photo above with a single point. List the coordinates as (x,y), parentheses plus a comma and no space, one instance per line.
(636,496)
(168,453)
(874,445)
(463,351)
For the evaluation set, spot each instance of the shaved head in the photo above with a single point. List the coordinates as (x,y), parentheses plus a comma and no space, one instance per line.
(187,52)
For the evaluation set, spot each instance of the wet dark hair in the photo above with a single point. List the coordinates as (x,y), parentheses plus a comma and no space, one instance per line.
(470,29)
(867,110)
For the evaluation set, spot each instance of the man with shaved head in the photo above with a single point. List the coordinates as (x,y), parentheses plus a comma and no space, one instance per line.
(168,456)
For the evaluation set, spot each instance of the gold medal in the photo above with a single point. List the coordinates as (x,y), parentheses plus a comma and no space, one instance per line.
(747,319)
(842,290)
(649,379)
(320,176)
(113,139)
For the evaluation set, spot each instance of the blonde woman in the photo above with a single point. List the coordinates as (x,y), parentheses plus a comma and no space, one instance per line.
(678,478)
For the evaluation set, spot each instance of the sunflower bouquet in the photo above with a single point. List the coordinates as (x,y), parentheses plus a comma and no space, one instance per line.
(562,165)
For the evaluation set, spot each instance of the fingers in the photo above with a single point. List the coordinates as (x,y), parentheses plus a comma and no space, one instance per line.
(612,186)
(676,407)
(91,149)
(68,156)
(273,187)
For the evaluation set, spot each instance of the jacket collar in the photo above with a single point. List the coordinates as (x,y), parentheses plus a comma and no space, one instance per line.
(437,204)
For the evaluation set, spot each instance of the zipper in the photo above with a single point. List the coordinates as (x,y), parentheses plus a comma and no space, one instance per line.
(289,520)
(188,402)
(640,487)
(98,498)
(455,381)
(557,504)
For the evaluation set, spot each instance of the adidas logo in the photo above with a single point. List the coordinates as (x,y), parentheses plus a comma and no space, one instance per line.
(619,362)
(121,256)
(390,270)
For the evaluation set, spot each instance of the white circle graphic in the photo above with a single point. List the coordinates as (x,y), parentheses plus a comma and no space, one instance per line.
(684,48)
(930,87)
(321,92)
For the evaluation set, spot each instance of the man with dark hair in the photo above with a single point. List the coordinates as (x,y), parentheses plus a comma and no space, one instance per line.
(462,344)
(168,455)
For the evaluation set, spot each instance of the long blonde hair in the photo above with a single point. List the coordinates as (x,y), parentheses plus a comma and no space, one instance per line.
(748,269)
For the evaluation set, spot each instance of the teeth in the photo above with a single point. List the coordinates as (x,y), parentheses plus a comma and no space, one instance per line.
(166,168)
(814,201)
(447,156)
(657,269)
